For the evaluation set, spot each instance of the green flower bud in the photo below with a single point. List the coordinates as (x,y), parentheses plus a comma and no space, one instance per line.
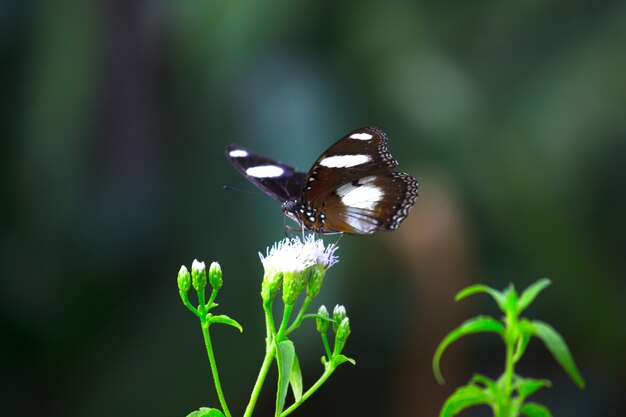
(215,276)
(339,313)
(343,331)
(322,323)
(198,275)
(270,286)
(293,284)
(184,279)
(316,278)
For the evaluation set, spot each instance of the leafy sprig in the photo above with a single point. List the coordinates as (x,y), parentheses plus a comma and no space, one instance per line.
(295,267)
(507,395)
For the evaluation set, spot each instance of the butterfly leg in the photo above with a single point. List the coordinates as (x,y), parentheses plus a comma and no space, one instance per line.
(291,232)
(336,243)
(288,229)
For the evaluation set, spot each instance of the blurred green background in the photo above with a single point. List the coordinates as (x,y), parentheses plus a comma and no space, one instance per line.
(115,114)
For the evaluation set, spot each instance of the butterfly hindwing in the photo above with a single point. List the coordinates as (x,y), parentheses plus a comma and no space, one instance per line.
(372,203)
(279,181)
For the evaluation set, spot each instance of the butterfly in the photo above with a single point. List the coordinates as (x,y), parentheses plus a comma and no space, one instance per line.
(351,188)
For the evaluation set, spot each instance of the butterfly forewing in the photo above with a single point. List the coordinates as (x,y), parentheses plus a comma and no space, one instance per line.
(372,203)
(279,181)
(358,154)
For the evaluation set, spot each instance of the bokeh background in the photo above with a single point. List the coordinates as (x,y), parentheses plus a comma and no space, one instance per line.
(115,115)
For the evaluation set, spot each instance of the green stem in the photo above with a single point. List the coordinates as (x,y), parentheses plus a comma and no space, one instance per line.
(504,403)
(211,299)
(327,373)
(300,316)
(267,361)
(201,305)
(270,352)
(216,378)
(283,324)
(326,345)
(269,322)
(187,303)
(279,336)
(509,369)
(511,324)
(202,311)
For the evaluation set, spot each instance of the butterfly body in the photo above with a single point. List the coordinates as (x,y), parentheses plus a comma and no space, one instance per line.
(351,188)
(311,218)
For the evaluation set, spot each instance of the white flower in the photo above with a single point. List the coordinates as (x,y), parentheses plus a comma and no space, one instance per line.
(323,255)
(198,266)
(285,256)
(293,255)
(339,311)
(328,258)
(198,275)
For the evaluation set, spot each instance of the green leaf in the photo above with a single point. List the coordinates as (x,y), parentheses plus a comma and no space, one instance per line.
(479,288)
(527,386)
(339,359)
(510,300)
(284,357)
(224,320)
(475,325)
(482,379)
(317,316)
(501,382)
(557,346)
(295,378)
(206,412)
(462,398)
(535,410)
(531,292)
(489,384)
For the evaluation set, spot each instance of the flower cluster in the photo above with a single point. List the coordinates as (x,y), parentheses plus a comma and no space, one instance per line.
(294,255)
(293,267)
(290,262)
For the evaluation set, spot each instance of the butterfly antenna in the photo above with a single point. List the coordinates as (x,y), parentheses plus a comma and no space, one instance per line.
(229,188)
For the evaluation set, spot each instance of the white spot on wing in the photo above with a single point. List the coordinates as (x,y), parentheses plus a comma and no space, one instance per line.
(361,226)
(367,180)
(344,189)
(361,136)
(359,221)
(345,161)
(265,171)
(361,197)
(237,153)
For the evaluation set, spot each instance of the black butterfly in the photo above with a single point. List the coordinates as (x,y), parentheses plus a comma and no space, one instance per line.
(351,188)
